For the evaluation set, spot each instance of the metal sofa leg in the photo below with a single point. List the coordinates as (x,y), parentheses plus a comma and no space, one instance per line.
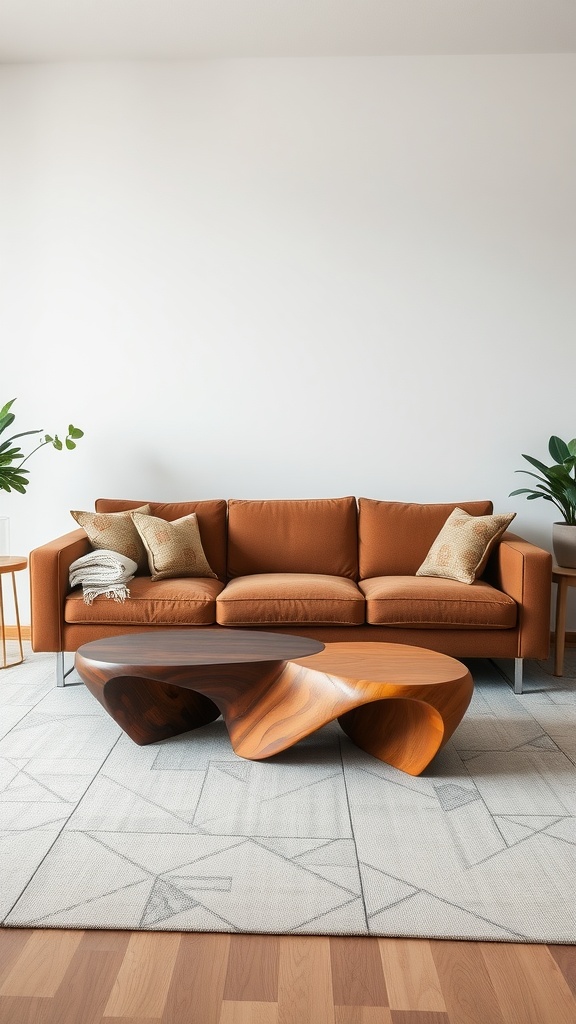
(518,674)
(61,672)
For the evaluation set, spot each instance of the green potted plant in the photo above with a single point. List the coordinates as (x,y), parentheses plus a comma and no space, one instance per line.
(557,483)
(12,476)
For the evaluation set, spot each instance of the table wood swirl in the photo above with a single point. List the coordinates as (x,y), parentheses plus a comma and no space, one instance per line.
(399,703)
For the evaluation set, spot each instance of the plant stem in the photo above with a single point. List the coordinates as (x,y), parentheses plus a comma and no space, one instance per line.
(41,445)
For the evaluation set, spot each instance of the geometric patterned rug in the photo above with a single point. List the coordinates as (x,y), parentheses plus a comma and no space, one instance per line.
(183,835)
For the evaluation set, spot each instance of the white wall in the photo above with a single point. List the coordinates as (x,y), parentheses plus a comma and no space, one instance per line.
(284,278)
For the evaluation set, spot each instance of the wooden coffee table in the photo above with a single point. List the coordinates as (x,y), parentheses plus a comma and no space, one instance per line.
(399,703)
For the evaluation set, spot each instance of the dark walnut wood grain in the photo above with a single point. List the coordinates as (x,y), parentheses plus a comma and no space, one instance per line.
(165,682)
(399,703)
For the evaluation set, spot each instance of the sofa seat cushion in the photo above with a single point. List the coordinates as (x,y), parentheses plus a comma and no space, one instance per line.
(290,599)
(429,602)
(174,602)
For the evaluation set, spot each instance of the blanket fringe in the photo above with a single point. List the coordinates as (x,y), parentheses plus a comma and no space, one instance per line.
(118,593)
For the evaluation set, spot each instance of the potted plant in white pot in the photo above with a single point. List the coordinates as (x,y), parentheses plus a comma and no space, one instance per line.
(558,485)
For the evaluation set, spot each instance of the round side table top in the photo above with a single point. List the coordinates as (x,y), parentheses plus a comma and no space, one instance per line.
(12,563)
(562,570)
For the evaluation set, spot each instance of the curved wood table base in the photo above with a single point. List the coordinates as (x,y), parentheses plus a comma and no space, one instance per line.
(399,703)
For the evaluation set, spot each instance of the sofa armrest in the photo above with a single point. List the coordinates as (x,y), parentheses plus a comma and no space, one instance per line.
(524,572)
(49,585)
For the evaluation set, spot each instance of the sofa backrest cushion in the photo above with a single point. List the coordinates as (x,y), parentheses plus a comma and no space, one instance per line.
(316,535)
(394,537)
(211,523)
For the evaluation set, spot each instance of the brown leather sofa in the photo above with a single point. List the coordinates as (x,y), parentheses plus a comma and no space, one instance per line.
(333,569)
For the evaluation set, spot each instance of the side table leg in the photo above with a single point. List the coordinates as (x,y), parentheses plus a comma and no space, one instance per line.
(18,627)
(560,632)
(5,662)
(2,627)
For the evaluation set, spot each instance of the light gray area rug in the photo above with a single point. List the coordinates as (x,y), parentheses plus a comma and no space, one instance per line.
(184,835)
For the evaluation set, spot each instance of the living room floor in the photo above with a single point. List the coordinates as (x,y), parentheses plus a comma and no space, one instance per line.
(101,977)
(131,977)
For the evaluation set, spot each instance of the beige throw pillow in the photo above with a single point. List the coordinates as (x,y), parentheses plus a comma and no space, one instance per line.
(462,547)
(115,531)
(174,549)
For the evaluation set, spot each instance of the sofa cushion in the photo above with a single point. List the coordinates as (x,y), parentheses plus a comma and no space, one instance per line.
(290,599)
(115,531)
(394,537)
(317,535)
(428,602)
(462,548)
(211,522)
(174,549)
(182,602)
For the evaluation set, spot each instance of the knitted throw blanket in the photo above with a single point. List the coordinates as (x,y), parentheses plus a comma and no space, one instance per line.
(103,573)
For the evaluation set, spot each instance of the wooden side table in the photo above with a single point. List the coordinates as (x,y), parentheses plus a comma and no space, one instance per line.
(564,578)
(11,564)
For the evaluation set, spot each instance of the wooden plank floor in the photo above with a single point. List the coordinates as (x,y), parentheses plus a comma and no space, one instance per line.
(112,977)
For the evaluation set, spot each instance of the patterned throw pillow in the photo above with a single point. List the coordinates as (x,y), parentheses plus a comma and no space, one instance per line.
(115,531)
(462,547)
(174,549)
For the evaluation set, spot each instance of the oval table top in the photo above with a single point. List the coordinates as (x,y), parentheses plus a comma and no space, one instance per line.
(197,647)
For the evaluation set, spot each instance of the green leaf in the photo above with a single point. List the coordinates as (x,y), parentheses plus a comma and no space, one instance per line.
(545,487)
(558,449)
(569,463)
(70,444)
(5,421)
(559,474)
(57,443)
(6,407)
(10,456)
(572,446)
(75,432)
(13,479)
(527,472)
(536,462)
(24,433)
(48,439)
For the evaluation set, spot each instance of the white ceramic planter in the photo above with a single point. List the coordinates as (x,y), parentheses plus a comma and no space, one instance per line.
(564,544)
